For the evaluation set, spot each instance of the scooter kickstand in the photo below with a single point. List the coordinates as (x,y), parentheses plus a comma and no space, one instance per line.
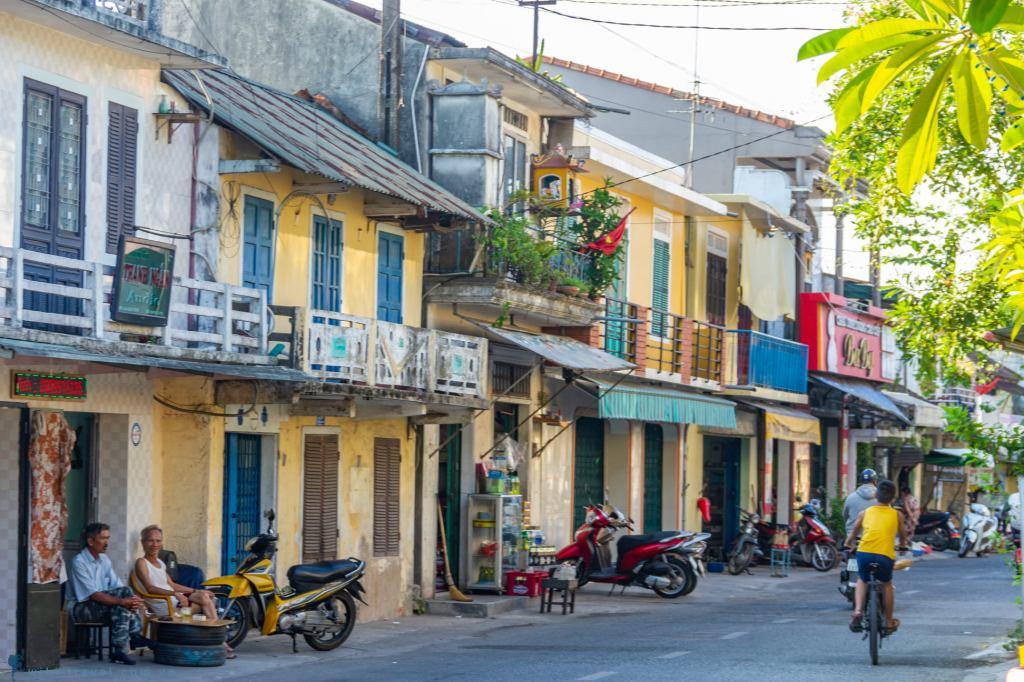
(295,648)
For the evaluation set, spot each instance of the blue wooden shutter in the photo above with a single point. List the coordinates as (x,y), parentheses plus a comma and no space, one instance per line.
(389,277)
(327,245)
(258,255)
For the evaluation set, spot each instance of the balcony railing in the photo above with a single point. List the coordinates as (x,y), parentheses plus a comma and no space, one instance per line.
(669,338)
(761,361)
(341,348)
(72,296)
(708,340)
(618,331)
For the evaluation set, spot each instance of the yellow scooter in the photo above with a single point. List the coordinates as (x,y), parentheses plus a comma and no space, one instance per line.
(319,602)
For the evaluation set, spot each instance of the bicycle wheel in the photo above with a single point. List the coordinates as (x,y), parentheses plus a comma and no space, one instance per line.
(874,622)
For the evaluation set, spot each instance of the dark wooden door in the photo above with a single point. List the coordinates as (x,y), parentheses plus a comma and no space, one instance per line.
(320,459)
(588,471)
(654,442)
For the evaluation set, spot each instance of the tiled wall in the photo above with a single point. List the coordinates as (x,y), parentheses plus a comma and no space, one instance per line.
(8,531)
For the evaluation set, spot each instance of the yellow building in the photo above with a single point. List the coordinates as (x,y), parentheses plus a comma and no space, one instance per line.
(332,229)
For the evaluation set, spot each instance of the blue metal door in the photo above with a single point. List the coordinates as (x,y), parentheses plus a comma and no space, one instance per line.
(241,497)
(389,277)
(258,245)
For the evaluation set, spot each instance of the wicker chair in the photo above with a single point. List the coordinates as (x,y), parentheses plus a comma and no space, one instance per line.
(149,618)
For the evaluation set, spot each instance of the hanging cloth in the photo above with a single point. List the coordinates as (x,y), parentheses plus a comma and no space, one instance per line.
(49,458)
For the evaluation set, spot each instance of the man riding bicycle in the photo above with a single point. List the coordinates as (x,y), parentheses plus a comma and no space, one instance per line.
(880,524)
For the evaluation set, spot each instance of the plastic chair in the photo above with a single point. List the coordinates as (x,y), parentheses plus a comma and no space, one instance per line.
(149,617)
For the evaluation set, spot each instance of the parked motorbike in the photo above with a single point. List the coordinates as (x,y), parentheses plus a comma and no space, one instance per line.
(848,576)
(936,528)
(979,531)
(319,602)
(746,549)
(667,562)
(812,544)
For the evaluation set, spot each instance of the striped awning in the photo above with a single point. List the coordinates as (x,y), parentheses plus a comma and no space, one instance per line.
(645,402)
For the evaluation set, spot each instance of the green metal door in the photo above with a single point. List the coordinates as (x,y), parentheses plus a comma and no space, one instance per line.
(654,440)
(588,484)
(450,491)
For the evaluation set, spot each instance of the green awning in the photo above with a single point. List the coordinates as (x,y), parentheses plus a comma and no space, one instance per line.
(957,457)
(643,402)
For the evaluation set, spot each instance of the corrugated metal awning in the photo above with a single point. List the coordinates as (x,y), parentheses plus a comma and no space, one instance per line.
(307,138)
(644,402)
(864,392)
(50,350)
(958,457)
(788,423)
(926,414)
(560,350)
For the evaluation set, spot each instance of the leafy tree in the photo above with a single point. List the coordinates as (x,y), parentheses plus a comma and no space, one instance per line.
(935,85)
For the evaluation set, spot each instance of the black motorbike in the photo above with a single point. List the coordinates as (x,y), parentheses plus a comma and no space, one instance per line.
(937,529)
(746,549)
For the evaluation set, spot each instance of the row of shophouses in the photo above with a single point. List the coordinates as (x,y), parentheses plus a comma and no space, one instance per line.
(248,269)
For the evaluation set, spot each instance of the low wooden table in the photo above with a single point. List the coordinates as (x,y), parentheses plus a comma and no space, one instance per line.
(190,643)
(568,589)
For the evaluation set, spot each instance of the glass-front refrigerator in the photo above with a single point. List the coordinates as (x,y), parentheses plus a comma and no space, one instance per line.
(495,530)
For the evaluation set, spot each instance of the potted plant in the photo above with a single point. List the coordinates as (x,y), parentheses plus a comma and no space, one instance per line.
(570,286)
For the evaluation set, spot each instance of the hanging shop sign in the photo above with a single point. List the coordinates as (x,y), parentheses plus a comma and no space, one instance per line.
(846,339)
(47,386)
(142,282)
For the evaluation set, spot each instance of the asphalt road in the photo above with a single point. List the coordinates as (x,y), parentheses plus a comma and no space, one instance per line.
(731,628)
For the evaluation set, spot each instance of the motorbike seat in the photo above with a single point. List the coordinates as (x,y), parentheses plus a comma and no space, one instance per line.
(628,543)
(321,572)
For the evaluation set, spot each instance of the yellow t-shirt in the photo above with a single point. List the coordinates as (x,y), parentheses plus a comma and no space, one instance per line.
(878,531)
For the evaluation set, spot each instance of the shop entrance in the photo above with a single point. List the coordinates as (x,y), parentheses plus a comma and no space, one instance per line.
(654,442)
(241,497)
(588,468)
(722,488)
(80,484)
(449,492)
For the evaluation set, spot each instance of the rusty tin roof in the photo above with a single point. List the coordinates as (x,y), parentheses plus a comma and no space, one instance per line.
(307,138)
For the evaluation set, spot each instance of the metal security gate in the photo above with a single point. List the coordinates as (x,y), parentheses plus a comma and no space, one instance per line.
(241,497)
(654,441)
(588,472)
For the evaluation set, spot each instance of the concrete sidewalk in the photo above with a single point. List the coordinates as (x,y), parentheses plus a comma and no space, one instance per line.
(267,654)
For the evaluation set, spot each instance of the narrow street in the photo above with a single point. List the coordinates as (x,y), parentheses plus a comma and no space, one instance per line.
(952,611)
(727,630)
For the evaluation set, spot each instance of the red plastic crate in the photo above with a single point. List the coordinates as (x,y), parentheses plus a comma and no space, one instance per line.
(528,588)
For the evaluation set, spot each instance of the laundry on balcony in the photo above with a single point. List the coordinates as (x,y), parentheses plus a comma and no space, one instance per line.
(653,403)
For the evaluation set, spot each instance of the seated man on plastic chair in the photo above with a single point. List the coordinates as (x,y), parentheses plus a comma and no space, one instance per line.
(97,595)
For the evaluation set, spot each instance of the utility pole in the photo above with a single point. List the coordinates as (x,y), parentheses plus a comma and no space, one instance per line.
(695,102)
(536,5)
(390,72)
(840,216)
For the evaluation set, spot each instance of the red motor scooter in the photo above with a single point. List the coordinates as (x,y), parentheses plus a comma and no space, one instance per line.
(812,543)
(667,562)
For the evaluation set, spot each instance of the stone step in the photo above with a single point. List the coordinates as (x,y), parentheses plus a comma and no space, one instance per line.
(482,606)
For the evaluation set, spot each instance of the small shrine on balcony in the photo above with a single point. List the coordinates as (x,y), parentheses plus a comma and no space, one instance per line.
(555,175)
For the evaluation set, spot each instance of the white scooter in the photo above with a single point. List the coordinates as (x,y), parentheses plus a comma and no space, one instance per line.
(979,531)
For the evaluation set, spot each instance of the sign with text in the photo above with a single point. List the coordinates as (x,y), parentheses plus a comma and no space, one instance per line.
(845,338)
(142,282)
(48,386)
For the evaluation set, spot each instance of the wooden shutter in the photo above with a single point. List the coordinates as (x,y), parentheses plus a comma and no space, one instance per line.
(320,498)
(387,467)
(122,136)
(715,292)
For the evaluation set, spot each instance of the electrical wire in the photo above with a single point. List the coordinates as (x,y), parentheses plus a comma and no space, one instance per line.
(681,26)
(715,4)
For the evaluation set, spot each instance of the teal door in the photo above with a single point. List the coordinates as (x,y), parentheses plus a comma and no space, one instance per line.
(654,441)
(449,483)
(258,246)
(241,520)
(588,473)
(389,277)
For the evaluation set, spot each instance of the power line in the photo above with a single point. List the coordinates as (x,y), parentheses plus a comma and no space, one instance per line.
(682,26)
(715,4)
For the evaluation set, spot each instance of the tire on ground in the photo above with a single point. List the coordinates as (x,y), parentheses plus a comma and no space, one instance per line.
(189,635)
(189,656)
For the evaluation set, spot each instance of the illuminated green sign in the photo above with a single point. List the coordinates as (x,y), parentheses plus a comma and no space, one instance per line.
(142,282)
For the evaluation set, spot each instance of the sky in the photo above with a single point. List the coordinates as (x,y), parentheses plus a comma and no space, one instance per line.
(757,69)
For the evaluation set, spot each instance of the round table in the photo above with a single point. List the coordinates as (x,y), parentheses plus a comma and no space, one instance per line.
(190,643)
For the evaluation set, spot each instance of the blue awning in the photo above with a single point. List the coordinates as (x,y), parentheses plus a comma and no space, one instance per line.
(866,393)
(645,402)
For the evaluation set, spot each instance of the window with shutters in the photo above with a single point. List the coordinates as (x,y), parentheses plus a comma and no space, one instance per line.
(320,459)
(327,245)
(52,187)
(661,271)
(715,280)
(387,467)
(122,136)
(515,168)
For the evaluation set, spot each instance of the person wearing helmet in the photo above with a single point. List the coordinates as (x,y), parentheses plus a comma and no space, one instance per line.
(861,498)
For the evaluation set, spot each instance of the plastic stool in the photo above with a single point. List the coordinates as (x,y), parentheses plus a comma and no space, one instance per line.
(89,638)
(780,562)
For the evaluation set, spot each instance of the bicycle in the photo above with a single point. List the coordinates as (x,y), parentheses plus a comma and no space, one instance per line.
(875,629)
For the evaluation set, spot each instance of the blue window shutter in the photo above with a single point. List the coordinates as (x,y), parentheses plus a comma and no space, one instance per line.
(659,293)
